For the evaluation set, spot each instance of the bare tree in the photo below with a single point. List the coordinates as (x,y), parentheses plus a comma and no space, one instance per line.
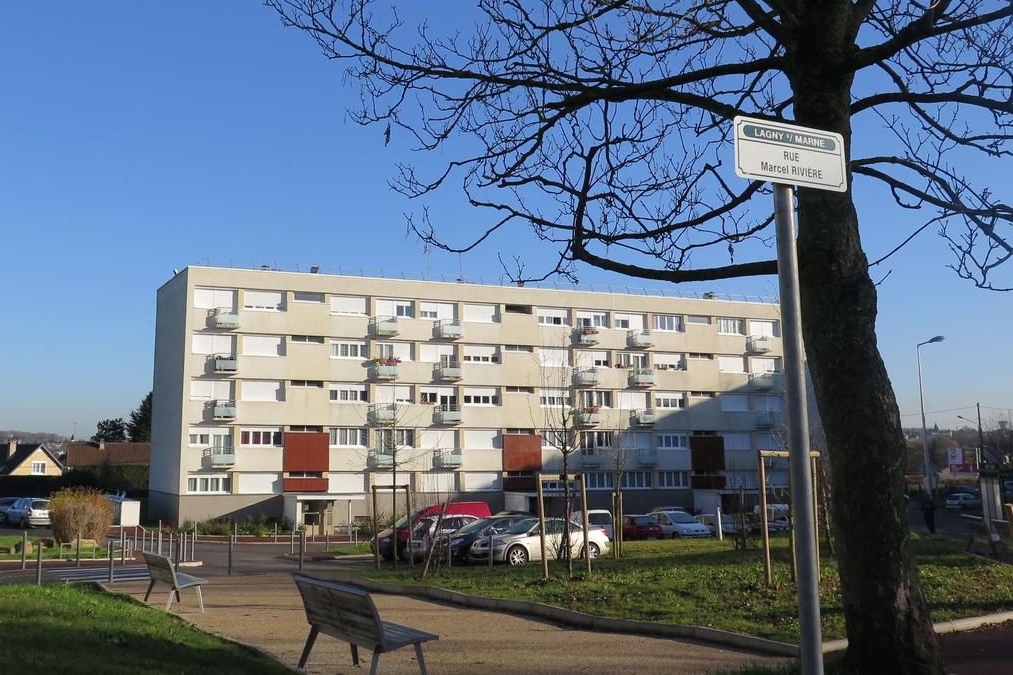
(604,126)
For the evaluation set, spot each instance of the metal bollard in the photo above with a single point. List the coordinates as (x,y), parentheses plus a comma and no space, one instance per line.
(38,565)
(159,551)
(24,549)
(327,541)
(78,549)
(490,549)
(291,544)
(112,560)
(276,533)
(302,548)
(232,545)
(123,547)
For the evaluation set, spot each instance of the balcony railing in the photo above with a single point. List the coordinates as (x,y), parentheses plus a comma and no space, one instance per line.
(447,413)
(586,335)
(381,413)
(761,381)
(449,371)
(647,458)
(449,329)
(224,317)
(645,417)
(587,377)
(758,344)
(224,410)
(383,326)
(590,458)
(642,377)
(767,419)
(379,459)
(383,371)
(588,417)
(225,363)
(639,337)
(218,457)
(448,458)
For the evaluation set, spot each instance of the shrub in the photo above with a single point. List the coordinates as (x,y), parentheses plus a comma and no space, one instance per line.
(80,510)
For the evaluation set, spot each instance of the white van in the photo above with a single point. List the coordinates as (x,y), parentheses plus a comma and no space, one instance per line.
(597,519)
(777,516)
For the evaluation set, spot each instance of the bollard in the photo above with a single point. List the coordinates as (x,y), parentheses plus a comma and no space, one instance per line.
(78,549)
(112,560)
(24,549)
(490,549)
(232,544)
(159,551)
(276,533)
(123,547)
(291,544)
(38,565)
(302,548)
(327,541)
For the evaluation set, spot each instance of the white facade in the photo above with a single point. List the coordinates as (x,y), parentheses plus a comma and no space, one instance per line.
(293,393)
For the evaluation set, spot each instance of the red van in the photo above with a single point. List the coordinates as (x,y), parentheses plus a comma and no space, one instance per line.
(385,539)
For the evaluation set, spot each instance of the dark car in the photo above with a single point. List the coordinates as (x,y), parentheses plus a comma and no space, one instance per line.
(460,542)
(641,527)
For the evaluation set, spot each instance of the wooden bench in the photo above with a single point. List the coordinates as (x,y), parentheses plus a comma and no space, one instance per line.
(348,613)
(987,535)
(160,569)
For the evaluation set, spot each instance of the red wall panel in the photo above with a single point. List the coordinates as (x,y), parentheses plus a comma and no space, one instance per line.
(522,452)
(306,452)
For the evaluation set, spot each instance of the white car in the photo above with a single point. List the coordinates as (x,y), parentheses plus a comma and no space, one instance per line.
(680,524)
(523,542)
(729,523)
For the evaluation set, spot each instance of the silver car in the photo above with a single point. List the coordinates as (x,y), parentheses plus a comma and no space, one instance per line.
(29,512)
(680,524)
(523,542)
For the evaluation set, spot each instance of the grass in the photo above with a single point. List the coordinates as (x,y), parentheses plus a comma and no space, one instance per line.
(81,629)
(708,583)
(9,541)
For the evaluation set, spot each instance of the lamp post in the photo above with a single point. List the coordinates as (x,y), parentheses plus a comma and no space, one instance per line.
(927,466)
(981,435)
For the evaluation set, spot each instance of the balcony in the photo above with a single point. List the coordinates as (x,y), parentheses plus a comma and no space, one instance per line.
(587,377)
(447,413)
(225,363)
(384,370)
(224,317)
(640,338)
(448,371)
(380,459)
(590,458)
(758,344)
(645,417)
(767,419)
(761,381)
(217,458)
(588,417)
(448,458)
(383,326)
(381,413)
(586,336)
(642,377)
(448,329)
(224,410)
(647,459)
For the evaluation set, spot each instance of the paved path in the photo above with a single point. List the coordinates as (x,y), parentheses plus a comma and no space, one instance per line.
(265,611)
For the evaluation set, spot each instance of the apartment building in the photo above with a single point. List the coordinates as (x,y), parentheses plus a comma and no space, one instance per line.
(293,394)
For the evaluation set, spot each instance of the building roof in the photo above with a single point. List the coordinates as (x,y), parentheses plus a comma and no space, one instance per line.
(90,453)
(21,455)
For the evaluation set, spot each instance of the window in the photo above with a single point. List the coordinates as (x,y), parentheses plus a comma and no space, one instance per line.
(404,309)
(631,359)
(207,437)
(628,321)
(765,364)
(435,353)
(637,480)
(520,390)
(313,339)
(672,441)
(673,479)
(519,432)
(438,395)
(519,348)
(592,320)
(698,320)
(307,384)
(480,396)
(401,393)
(263,345)
(306,296)
(305,474)
(263,301)
(38,468)
(349,393)
(737,440)
(668,361)
(204,343)
(480,354)
(669,399)
(772,403)
(210,390)
(209,484)
(732,364)
(260,437)
(348,350)
(553,358)
(553,397)
(701,394)
(553,317)
(213,298)
(343,304)
(263,390)
(731,326)
(436,310)
(517,309)
(602,399)
(316,428)
(596,439)
(598,480)
(621,321)
(763,328)
(633,400)
(484,439)
(668,322)
(480,313)
(348,437)
(700,356)
(405,438)
(734,402)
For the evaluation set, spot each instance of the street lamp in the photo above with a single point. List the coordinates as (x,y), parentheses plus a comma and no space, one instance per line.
(927,466)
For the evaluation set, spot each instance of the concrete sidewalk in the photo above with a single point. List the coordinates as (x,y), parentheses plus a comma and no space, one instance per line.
(265,611)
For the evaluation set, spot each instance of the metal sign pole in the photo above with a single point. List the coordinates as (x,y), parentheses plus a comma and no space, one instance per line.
(811,643)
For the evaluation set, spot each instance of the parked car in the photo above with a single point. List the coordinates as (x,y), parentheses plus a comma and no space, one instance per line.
(386,539)
(659,509)
(5,504)
(962,500)
(460,541)
(641,527)
(777,517)
(29,512)
(424,533)
(600,518)
(522,542)
(679,524)
(729,524)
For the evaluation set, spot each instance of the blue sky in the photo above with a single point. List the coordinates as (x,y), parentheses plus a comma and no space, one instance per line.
(140,137)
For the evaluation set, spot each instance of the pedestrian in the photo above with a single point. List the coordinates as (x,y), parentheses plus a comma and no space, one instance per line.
(929,511)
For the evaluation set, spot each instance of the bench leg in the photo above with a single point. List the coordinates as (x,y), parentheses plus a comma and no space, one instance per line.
(148,594)
(314,631)
(169,603)
(200,600)
(376,661)
(355,653)
(422,659)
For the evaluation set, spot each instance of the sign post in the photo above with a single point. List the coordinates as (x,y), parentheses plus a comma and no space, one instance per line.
(788,155)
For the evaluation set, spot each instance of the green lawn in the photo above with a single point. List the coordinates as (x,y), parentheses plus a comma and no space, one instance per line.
(80,629)
(708,583)
(9,541)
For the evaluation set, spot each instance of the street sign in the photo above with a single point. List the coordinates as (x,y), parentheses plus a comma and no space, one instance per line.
(789,154)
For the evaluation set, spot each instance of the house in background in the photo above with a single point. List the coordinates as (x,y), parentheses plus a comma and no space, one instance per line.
(116,465)
(28,459)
